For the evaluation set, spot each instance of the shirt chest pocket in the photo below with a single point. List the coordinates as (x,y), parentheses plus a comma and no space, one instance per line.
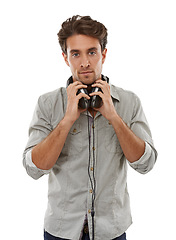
(112,143)
(73,143)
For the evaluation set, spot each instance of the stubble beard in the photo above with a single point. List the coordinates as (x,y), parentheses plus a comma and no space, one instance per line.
(87,80)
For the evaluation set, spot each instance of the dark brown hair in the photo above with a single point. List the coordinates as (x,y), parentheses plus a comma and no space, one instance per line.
(82,25)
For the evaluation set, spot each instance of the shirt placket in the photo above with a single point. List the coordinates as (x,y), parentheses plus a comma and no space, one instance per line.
(92,171)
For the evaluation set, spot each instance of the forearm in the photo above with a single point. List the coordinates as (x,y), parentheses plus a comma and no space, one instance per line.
(46,153)
(133,147)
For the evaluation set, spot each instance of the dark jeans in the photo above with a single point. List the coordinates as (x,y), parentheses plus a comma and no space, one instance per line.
(48,236)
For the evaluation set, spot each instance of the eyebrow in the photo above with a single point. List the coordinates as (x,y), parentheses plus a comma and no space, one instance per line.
(90,49)
(74,50)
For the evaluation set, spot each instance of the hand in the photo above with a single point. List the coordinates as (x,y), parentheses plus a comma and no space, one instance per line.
(72,111)
(107,109)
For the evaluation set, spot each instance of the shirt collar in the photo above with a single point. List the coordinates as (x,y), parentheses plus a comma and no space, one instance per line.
(114,92)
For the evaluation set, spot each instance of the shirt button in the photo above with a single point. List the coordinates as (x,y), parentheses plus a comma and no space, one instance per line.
(109,123)
(89,211)
(93,148)
(90,191)
(93,126)
(74,130)
(91,169)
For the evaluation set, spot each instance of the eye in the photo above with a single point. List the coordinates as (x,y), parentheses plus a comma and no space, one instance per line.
(92,53)
(75,55)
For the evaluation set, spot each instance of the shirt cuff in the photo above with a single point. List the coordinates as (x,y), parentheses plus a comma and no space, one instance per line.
(144,158)
(30,163)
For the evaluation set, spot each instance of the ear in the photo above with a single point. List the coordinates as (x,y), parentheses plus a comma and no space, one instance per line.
(65,58)
(104,55)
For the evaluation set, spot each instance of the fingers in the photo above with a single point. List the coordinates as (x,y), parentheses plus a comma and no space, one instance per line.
(97,93)
(101,82)
(103,85)
(73,88)
(80,95)
(77,85)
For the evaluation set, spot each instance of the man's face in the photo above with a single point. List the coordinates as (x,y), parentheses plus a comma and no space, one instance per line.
(85,58)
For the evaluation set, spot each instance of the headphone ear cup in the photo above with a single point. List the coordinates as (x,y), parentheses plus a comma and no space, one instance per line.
(96,101)
(69,81)
(84,103)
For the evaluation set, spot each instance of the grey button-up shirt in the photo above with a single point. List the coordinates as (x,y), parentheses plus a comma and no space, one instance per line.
(69,191)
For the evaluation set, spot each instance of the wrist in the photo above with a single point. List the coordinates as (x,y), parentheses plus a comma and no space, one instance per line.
(67,121)
(114,119)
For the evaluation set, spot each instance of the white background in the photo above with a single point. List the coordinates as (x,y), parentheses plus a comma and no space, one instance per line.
(141,58)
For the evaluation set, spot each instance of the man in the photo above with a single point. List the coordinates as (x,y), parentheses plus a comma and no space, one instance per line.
(85,151)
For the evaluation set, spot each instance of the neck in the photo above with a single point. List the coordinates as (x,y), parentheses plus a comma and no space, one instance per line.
(92,112)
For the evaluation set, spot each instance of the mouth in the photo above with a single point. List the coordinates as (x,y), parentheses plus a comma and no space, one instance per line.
(85,72)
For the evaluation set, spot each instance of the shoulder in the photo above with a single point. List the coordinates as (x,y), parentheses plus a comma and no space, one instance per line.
(52,105)
(53,96)
(122,94)
(53,102)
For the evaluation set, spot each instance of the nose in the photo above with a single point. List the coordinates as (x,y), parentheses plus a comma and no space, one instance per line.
(85,62)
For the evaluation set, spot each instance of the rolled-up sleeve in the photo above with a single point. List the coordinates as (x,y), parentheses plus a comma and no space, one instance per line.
(31,168)
(146,162)
(140,127)
(40,128)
